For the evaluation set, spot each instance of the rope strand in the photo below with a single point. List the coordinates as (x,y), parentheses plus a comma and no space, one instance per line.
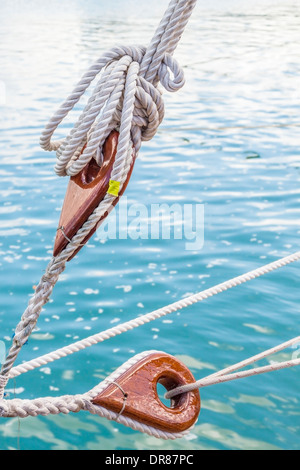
(226,374)
(124,98)
(75,403)
(142,320)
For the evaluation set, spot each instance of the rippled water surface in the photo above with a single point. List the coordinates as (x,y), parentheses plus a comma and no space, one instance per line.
(230,140)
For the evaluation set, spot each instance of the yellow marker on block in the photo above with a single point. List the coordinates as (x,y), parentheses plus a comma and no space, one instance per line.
(114,188)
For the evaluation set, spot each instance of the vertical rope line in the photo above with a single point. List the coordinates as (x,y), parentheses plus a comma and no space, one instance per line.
(166,37)
(158,38)
(110,91)
(149,317)
(227,375)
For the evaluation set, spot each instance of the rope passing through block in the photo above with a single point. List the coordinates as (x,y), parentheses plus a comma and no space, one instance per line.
(233,372)
(85,192)
(143,403)
(126,98)
(128,396)
(114,188)
(125,108)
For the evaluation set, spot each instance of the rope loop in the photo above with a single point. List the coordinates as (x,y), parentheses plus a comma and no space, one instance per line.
(126,98)
(118,79)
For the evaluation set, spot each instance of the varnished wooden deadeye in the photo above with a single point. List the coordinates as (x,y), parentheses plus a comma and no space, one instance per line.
(139,384)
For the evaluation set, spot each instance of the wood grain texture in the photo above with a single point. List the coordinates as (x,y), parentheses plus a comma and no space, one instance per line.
(84,194)
(142,402)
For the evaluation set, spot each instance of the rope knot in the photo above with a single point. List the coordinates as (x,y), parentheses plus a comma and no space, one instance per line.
(125,98)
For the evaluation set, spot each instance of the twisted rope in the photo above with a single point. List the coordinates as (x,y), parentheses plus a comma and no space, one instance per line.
(124,98)
(76,403)
(226,375)
(149,317)
(67,404)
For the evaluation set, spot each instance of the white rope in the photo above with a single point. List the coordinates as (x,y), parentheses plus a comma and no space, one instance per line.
(244,374)
(76,403)
(124,98)
(125,95)
(66,404)
(227,376)
(144,319)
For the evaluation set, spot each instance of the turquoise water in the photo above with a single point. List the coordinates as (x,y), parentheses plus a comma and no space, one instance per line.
(216,147)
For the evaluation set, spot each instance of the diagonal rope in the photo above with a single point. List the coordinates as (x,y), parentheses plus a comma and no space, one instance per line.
(75,403)
(144,319)
(226,375)
(126,98)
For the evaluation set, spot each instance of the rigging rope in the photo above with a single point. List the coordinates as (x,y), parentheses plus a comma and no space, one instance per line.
(75,403)
(226,375)
(144,319)
(126,97)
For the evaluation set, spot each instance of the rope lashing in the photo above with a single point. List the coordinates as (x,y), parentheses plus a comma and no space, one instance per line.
(76,403)
(126,97)
(95,404)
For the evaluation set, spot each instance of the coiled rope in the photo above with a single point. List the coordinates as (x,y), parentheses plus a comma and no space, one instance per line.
(126,97)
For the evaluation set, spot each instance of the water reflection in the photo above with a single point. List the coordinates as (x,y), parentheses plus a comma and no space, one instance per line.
(215,147)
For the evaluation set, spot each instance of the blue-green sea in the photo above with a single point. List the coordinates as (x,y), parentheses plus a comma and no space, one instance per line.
(230,141)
